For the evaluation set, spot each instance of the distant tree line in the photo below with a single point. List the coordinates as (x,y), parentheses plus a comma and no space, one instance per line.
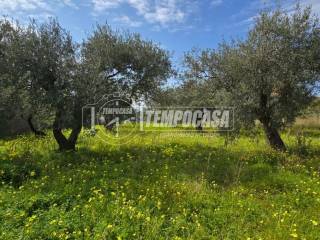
(270,76)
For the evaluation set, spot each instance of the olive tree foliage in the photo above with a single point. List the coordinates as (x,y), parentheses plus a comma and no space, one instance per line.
(110,62)
(42,70)
(8,42)
(54,72)
(120,61)
(47,70)
(270,76)
(17,100)
(106,62)
(188,93)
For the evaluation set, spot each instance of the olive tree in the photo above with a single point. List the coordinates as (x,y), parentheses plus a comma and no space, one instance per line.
(43,67)
(271,75)
(8,36)
(121,61)
(111,61)
(17,98)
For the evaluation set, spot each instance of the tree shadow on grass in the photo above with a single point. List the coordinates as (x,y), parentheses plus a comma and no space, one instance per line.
(223,166)
(180,161)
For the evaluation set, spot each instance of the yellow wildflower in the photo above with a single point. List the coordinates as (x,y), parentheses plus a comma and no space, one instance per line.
(315,223)
(294,235)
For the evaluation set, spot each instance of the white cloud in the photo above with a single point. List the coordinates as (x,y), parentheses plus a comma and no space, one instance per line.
(161,12)
(8,6)
(247,15)
(165,13)
(125,20)
(101,5)
(70,3)
(215,3)
(142,6)
(38,9)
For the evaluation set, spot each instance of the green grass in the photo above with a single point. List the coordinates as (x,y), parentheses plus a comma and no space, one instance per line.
(160,187)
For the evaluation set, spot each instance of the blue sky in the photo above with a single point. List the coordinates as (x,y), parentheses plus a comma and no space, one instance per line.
(178,25)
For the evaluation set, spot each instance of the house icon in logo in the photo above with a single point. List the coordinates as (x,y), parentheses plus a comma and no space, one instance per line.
(110,112)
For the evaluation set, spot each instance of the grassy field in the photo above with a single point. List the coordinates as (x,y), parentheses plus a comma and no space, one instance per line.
(161,187)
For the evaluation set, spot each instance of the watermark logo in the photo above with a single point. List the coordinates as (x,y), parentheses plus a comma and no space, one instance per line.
(187,119)
(116,119)
(113,118)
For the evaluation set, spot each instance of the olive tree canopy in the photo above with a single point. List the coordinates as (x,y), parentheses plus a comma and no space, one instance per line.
(271,76)
(45,68)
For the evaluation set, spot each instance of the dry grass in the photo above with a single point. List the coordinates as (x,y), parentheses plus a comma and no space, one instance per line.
(310,121)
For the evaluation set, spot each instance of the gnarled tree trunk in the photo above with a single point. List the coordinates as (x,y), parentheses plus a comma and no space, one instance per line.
(67,144)
(274,137)
(271,132)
